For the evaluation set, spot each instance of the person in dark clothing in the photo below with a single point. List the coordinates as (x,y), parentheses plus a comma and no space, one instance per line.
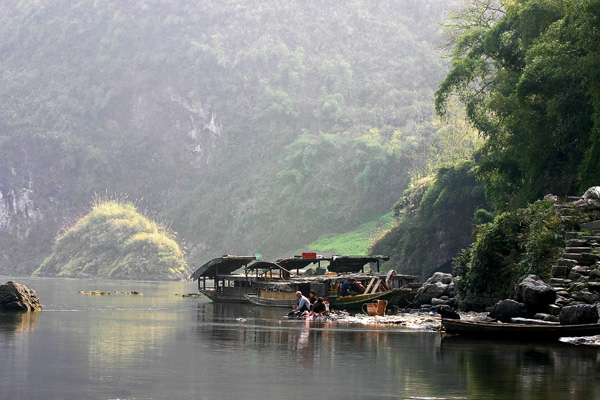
(319,307)
(312,298)
(352,287)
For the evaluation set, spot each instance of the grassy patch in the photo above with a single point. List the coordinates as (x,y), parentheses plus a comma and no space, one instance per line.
(356,242)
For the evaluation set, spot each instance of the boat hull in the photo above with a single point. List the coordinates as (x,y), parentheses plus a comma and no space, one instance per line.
(228,296)
(269,302)
(355,303)
(498,330)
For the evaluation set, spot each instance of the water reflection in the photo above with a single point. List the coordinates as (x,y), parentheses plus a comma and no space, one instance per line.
(17,322)
(523,370)
(162,346)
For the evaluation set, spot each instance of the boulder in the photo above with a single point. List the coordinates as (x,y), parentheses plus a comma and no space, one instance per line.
(438,285)
(428,292)
(535,294)
(592,193)
(578,314)
(17,297)
(442,277)
(505,310)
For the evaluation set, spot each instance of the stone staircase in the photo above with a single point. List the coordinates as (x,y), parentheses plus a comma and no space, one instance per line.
(576,277)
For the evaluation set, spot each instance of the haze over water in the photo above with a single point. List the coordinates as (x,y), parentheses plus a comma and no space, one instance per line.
(159,345)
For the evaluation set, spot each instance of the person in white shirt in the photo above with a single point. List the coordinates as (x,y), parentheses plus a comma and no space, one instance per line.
(303,303)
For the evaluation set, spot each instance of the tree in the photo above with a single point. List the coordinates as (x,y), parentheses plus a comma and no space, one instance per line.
(524,72)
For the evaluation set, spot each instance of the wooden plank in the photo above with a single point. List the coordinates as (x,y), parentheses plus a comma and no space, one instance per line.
(375,287)
(369,285)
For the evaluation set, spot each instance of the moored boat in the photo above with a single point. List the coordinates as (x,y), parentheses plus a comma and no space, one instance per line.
(226,286)
(511,331)
(376,285)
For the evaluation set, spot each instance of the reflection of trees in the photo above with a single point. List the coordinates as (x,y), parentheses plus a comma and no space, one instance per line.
(523,370)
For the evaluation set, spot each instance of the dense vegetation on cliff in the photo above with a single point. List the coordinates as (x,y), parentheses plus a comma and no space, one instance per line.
(248,126)
(526,72)
(115,241)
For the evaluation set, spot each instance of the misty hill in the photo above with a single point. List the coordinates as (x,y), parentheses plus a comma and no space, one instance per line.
(115,241)
(246,126)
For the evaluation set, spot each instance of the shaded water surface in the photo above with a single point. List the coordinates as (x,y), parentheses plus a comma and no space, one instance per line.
(159,345)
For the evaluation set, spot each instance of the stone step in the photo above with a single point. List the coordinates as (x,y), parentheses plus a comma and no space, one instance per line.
(578,243)
(566,262)
(571,250)
(560,271)
(560,282)
(590,239)
(584,258)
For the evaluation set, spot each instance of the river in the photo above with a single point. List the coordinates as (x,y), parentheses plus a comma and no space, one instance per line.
(160,345)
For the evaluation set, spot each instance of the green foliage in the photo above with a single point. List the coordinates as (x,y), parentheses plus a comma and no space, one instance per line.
(356,242)
(434,220)
(524,71)
(295,86)
(115,241)
(518,243)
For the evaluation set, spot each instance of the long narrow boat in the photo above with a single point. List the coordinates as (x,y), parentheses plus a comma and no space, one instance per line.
(355,303)
(377,285)
(499,330)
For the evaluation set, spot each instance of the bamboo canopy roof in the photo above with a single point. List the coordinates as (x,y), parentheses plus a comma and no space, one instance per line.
(353,264)
(224,265)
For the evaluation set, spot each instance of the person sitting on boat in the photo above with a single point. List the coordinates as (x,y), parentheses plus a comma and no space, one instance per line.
(303,303)
(312,298)
(319,307)
(352,287)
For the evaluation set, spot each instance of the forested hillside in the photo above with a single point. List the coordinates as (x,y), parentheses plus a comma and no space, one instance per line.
(247,126)
(527,74)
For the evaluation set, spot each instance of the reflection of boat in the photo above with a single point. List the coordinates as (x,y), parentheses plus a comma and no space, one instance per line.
(499,330)
(378,286)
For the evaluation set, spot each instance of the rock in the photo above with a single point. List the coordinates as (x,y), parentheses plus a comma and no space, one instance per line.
(595,274)
(553,310)
(428,292)
(585,296)
(438,285)
(592,193)
(594,287)
(581,270)
(579,314)
(439,302)
(505,310)
(440,277)
(535,294)
(16,297)
(546,317)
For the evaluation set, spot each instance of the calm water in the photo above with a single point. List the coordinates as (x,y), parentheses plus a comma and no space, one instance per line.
(162,346)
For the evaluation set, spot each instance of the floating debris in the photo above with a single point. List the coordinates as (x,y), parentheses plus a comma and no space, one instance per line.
(104,293)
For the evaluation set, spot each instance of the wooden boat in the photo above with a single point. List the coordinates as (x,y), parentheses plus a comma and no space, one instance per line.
(379,286)
(510,331)
(258,300)
(218,282)
(355,303)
